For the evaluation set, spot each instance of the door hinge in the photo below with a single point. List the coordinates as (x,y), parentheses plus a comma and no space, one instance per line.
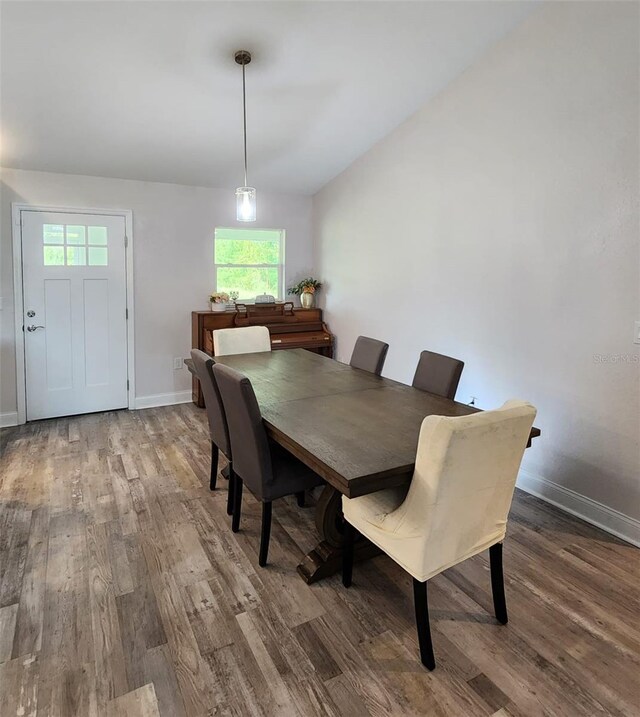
(126,314)
(126,241)
(127,384)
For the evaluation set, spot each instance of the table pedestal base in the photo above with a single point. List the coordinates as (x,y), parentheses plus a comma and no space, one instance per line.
(326,558)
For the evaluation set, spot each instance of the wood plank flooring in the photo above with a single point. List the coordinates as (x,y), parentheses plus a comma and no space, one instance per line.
(123,591)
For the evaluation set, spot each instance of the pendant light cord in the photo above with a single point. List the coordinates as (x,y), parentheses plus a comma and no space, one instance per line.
(244,117)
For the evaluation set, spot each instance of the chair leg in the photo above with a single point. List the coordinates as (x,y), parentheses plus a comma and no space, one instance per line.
(237,502)
(347,553)
(300,499)
(265,533)
(497,583)
(422,623)
(232,483)
(214,466)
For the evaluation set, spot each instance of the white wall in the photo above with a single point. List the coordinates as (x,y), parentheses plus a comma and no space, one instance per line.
(173,261)
(499,224)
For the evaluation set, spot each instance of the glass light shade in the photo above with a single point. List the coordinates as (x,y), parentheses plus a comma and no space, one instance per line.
(246,204)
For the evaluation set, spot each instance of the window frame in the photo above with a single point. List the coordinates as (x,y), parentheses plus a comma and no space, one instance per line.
(280,266)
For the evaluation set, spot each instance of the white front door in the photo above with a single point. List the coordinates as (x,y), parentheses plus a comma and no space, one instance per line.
(75,301)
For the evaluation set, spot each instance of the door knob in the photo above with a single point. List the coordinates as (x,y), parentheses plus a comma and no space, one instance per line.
(34,328)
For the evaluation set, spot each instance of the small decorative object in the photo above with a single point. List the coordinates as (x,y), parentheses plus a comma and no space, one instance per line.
(218,301)
(234,296)
(306,290)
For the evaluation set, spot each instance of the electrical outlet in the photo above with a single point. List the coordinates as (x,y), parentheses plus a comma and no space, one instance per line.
(177,363)
(636,333)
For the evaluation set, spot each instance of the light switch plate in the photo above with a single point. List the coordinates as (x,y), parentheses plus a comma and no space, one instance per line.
(636,335)
(177,363)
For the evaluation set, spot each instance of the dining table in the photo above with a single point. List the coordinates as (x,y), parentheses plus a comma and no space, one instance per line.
(356,430)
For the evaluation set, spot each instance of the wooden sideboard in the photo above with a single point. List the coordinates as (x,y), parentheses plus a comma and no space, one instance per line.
(290,328)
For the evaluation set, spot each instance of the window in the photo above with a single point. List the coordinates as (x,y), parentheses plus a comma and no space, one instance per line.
(249,261)
(72,245)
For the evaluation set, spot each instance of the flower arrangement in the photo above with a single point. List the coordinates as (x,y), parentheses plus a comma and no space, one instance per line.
(306,289)
(306,286)
(218,297)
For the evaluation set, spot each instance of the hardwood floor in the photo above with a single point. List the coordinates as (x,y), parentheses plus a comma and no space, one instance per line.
(124,592)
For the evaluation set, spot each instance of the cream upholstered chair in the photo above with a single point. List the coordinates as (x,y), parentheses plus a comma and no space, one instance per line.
(369,355)
(456,506)
(438,374)
(242,340)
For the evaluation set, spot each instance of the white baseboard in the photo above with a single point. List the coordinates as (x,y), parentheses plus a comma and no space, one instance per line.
(614,522)
(163,399)
(8,419)
(158,399)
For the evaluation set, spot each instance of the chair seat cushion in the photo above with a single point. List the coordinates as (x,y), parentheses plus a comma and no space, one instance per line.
(289,475)
(372,509)
(376,517)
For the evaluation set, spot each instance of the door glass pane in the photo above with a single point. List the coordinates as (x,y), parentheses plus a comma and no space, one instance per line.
(75,234)
(97,235)
(54,256)
(53,234)
(76,256)
(247,281)
(98,256)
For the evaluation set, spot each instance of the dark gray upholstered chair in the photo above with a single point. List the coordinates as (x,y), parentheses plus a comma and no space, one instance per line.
(218,430)
(438,374)
(369,355)
(267,469)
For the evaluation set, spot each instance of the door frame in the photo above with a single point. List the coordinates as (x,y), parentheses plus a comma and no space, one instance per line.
(18,294)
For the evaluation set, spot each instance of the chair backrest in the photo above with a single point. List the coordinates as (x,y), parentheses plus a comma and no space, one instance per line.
(369,355)
(218,430)
(462,486)
(438,374)
(242,340)
(249,443)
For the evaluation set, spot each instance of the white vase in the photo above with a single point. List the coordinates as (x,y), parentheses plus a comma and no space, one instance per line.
(218,307)
(306,299)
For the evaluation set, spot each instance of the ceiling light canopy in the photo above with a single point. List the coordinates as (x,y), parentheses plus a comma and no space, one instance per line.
(245,196)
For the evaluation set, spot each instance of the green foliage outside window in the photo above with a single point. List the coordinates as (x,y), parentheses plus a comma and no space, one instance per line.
(238,251)
(248,282)
(240,257)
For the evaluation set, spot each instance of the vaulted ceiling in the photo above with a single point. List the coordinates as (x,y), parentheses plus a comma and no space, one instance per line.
(150,90)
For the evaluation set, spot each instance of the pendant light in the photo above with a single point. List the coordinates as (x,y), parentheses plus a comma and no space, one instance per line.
(245,196)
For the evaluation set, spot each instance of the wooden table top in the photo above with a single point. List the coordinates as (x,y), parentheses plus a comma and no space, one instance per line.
(358,431)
